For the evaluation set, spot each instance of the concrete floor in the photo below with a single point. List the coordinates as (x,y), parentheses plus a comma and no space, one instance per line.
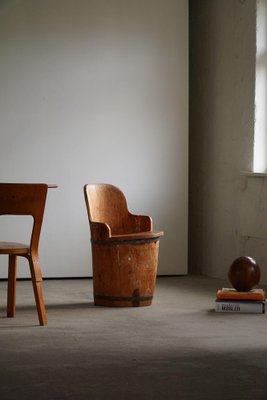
(178,348)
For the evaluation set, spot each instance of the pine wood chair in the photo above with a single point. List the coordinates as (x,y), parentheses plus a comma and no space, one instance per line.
(124,249)
(24,199)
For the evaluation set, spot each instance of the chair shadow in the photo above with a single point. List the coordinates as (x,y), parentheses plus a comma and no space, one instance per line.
(57,306)
(32,308)
(70,306)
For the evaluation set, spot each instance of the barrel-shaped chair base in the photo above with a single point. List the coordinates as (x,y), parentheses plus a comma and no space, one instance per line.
(124,273)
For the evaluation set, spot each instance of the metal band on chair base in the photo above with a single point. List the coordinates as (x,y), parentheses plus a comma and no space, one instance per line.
(118,301)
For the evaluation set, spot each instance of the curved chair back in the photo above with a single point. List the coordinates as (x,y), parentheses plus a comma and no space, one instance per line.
(25,199)
(107,204)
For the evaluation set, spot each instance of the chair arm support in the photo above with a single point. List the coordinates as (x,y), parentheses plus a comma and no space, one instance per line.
(100,230)
(141,223)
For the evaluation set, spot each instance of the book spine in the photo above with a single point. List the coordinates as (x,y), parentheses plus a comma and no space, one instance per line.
(240,307)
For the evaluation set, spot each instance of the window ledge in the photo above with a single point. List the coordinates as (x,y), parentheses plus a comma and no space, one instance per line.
(254,174)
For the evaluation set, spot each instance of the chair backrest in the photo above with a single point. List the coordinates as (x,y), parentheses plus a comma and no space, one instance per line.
(107,204)
(25,199)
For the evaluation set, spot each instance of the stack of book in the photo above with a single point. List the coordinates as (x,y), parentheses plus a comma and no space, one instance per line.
(229,300)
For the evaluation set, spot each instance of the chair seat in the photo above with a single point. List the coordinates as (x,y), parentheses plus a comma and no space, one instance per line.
(14,248)
(137,236)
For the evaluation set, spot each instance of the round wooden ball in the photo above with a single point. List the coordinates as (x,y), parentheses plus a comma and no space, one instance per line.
(244,274)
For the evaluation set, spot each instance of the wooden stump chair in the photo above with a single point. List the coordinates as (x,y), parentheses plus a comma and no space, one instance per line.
(24,199)
(124,249)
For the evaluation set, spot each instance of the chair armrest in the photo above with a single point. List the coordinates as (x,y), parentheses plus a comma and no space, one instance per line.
(100,230)
(141,223)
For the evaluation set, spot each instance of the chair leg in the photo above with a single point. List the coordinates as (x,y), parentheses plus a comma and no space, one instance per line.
(36,276)
(11,286)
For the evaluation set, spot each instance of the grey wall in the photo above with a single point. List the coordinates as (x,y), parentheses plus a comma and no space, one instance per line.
(222,72)
(96,91)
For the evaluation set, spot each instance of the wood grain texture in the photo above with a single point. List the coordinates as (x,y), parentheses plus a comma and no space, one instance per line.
(124,249)
(24,199)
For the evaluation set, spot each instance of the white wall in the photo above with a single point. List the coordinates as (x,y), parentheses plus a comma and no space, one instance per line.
(96,91)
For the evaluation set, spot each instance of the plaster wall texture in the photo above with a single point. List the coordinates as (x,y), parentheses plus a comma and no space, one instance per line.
(253,221)
(96,91)
(222,84)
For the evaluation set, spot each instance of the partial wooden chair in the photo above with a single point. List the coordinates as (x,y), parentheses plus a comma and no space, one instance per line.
(24,199)
(124,249)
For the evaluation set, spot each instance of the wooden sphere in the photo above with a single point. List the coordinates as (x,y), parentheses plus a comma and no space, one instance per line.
(244,274)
